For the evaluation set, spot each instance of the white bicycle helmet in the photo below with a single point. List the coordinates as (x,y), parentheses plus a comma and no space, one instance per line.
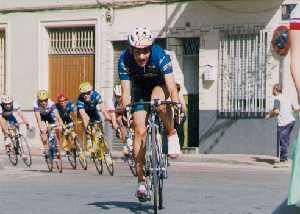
(6,99)
(141,38)
(117,90)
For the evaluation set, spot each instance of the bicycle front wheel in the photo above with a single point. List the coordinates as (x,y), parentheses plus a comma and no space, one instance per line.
(72,158)
(25,151)
(154,173)
(49,161)
(12,155)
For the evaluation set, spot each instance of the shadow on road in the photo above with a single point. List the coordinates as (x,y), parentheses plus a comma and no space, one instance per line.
(283,208)
(270,161)
(37,170)
(134,207)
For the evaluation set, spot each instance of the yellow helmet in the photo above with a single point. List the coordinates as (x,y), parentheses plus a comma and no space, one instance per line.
(85,87)
(42,95)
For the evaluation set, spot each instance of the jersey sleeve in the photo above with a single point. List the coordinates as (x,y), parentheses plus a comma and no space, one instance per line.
(80,104)
(123,71)
(295,18)
(71,107)
(36,107)
(97,97)
(52,106)
(162,60)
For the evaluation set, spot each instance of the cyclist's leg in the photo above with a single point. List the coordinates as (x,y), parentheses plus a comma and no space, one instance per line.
(166,115)
(139,148)
(44,137)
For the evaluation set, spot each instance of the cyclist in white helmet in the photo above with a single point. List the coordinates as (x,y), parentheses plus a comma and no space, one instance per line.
(148,69)
(7,109)
(121,130)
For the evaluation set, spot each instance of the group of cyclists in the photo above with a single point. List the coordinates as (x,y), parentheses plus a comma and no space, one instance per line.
(145,72)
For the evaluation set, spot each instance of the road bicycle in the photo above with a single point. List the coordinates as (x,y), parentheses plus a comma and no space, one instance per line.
(99,148)
(19,146)
(73,147)
(53,154)
(155,164)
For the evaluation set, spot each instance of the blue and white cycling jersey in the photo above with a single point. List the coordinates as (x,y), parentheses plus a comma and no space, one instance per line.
(144,79)
(159,65)
(91,107)
(48,113)
(64,113)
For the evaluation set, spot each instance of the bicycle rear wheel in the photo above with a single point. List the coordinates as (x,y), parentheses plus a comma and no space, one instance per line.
(25,151)
(107,157)
(98,162)
(80,153)
(12,155)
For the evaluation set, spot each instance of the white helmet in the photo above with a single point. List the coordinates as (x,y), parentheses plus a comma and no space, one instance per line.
(6,99)
(117,90)
(141,38)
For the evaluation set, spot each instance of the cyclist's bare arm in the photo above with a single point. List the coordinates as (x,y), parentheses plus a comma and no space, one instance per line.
(171,86)
(38,119)
(125,86)
(85,118)
(3,125)
(60,122)
(23,118)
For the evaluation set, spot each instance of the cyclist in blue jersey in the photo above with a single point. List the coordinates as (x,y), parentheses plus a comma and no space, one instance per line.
(145,71)
(66,110)
(8,107)
(45,112)
(88,105)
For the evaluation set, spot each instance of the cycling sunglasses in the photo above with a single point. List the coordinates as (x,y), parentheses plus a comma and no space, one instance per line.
(86,93)
(43,101)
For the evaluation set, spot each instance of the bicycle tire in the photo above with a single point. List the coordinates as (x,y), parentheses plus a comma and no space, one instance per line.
(80,153)
(12,155)
(25,150)
(49,161)
(154,170)
(72,158)
(160,193)
(59,163)
(98,163)
(109,163)
(132,166)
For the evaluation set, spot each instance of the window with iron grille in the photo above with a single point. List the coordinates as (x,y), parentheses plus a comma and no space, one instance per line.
(2,63)
(79,40)
(242,77)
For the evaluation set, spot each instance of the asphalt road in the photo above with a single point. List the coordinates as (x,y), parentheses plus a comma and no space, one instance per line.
(191,188)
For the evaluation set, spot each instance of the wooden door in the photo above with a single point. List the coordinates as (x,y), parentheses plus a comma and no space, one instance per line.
(66,72)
